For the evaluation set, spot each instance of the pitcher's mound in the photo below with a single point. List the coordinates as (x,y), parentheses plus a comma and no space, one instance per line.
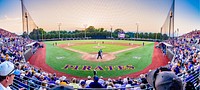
(93,57)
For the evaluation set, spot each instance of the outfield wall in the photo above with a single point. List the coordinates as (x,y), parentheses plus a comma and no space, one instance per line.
(134,39)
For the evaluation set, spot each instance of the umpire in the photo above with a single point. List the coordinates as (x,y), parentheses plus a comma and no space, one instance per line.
(99,54)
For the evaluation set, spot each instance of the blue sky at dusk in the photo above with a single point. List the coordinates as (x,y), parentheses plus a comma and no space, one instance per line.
(73,14)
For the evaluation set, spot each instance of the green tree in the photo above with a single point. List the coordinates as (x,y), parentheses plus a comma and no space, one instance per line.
(116,31)
(90,29)
(165,37)
(159,36)
(151,36)
(146,35)
(141,35)
(24,35)
(37,34)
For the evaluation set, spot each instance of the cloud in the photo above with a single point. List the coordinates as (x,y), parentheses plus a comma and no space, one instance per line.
(11,24)
(9,19)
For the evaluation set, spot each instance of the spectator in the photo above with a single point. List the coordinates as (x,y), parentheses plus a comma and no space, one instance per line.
(82,84)
(7,74)
(95,84)
(165,80)
(73,83)
(88,81)
(101,81)
(62,81)
(189,76)
(188,86)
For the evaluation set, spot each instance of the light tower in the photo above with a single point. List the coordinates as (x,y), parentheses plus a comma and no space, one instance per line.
(111,31)
(26,16)
(137,24)
(170,24)
(59,24)
(85,25)
(177,32)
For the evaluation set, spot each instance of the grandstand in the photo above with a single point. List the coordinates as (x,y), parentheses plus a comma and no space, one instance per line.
(185,64)
(183,52)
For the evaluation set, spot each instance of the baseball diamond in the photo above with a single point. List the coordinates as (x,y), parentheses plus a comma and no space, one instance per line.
(99,44)
(78,58)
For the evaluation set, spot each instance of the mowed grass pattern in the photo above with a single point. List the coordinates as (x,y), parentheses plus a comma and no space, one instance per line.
(91,48)
(58,58)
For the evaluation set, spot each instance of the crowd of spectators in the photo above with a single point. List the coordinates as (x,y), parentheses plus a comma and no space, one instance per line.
(186,52)
(5,33)
(186,61)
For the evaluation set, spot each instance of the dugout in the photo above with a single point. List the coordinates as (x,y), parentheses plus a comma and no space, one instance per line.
(166,49)
(32,48)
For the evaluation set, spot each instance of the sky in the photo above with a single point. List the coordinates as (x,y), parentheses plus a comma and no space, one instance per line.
(74,14)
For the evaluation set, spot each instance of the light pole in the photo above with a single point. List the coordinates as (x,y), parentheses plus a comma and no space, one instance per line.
(170,27)
(170,17)
(85,25)
(59,24)
(161,37)
(177,32)
(111,31)
(23,24)
(137,24)
(26,16)
(42,35)
(156,36)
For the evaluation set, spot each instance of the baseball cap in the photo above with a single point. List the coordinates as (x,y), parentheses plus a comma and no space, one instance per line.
(96,78)
(89,77)
(83,82)
(17,72)
(62,78)
(101,77)
(165,80)
(150,77)
(7,68)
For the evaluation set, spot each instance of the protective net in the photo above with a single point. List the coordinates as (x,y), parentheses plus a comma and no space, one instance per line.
(168,26)
(27,21)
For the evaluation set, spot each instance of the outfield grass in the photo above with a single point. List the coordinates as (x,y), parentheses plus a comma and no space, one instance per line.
(90,48)
(58,58)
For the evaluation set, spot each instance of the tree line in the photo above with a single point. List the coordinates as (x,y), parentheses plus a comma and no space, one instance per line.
(92,32)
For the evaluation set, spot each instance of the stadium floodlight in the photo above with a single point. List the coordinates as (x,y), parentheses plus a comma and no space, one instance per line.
(85,25)
(26,17)
(177,32)
(170,17)
(137,24)
(59,24)
(111,31)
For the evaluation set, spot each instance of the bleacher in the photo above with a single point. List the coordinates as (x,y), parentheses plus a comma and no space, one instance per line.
(185,65)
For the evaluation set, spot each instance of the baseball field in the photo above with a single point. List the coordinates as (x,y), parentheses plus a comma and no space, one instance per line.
(78,58)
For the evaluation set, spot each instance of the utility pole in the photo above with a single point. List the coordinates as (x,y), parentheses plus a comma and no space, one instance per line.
(137,24)
(42,35)
(161,37)
(22,5)
(111,31)
(177,31)
(85,25)
(59,24)
(170,17)
(26,16)
(38,34)
(156,36)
